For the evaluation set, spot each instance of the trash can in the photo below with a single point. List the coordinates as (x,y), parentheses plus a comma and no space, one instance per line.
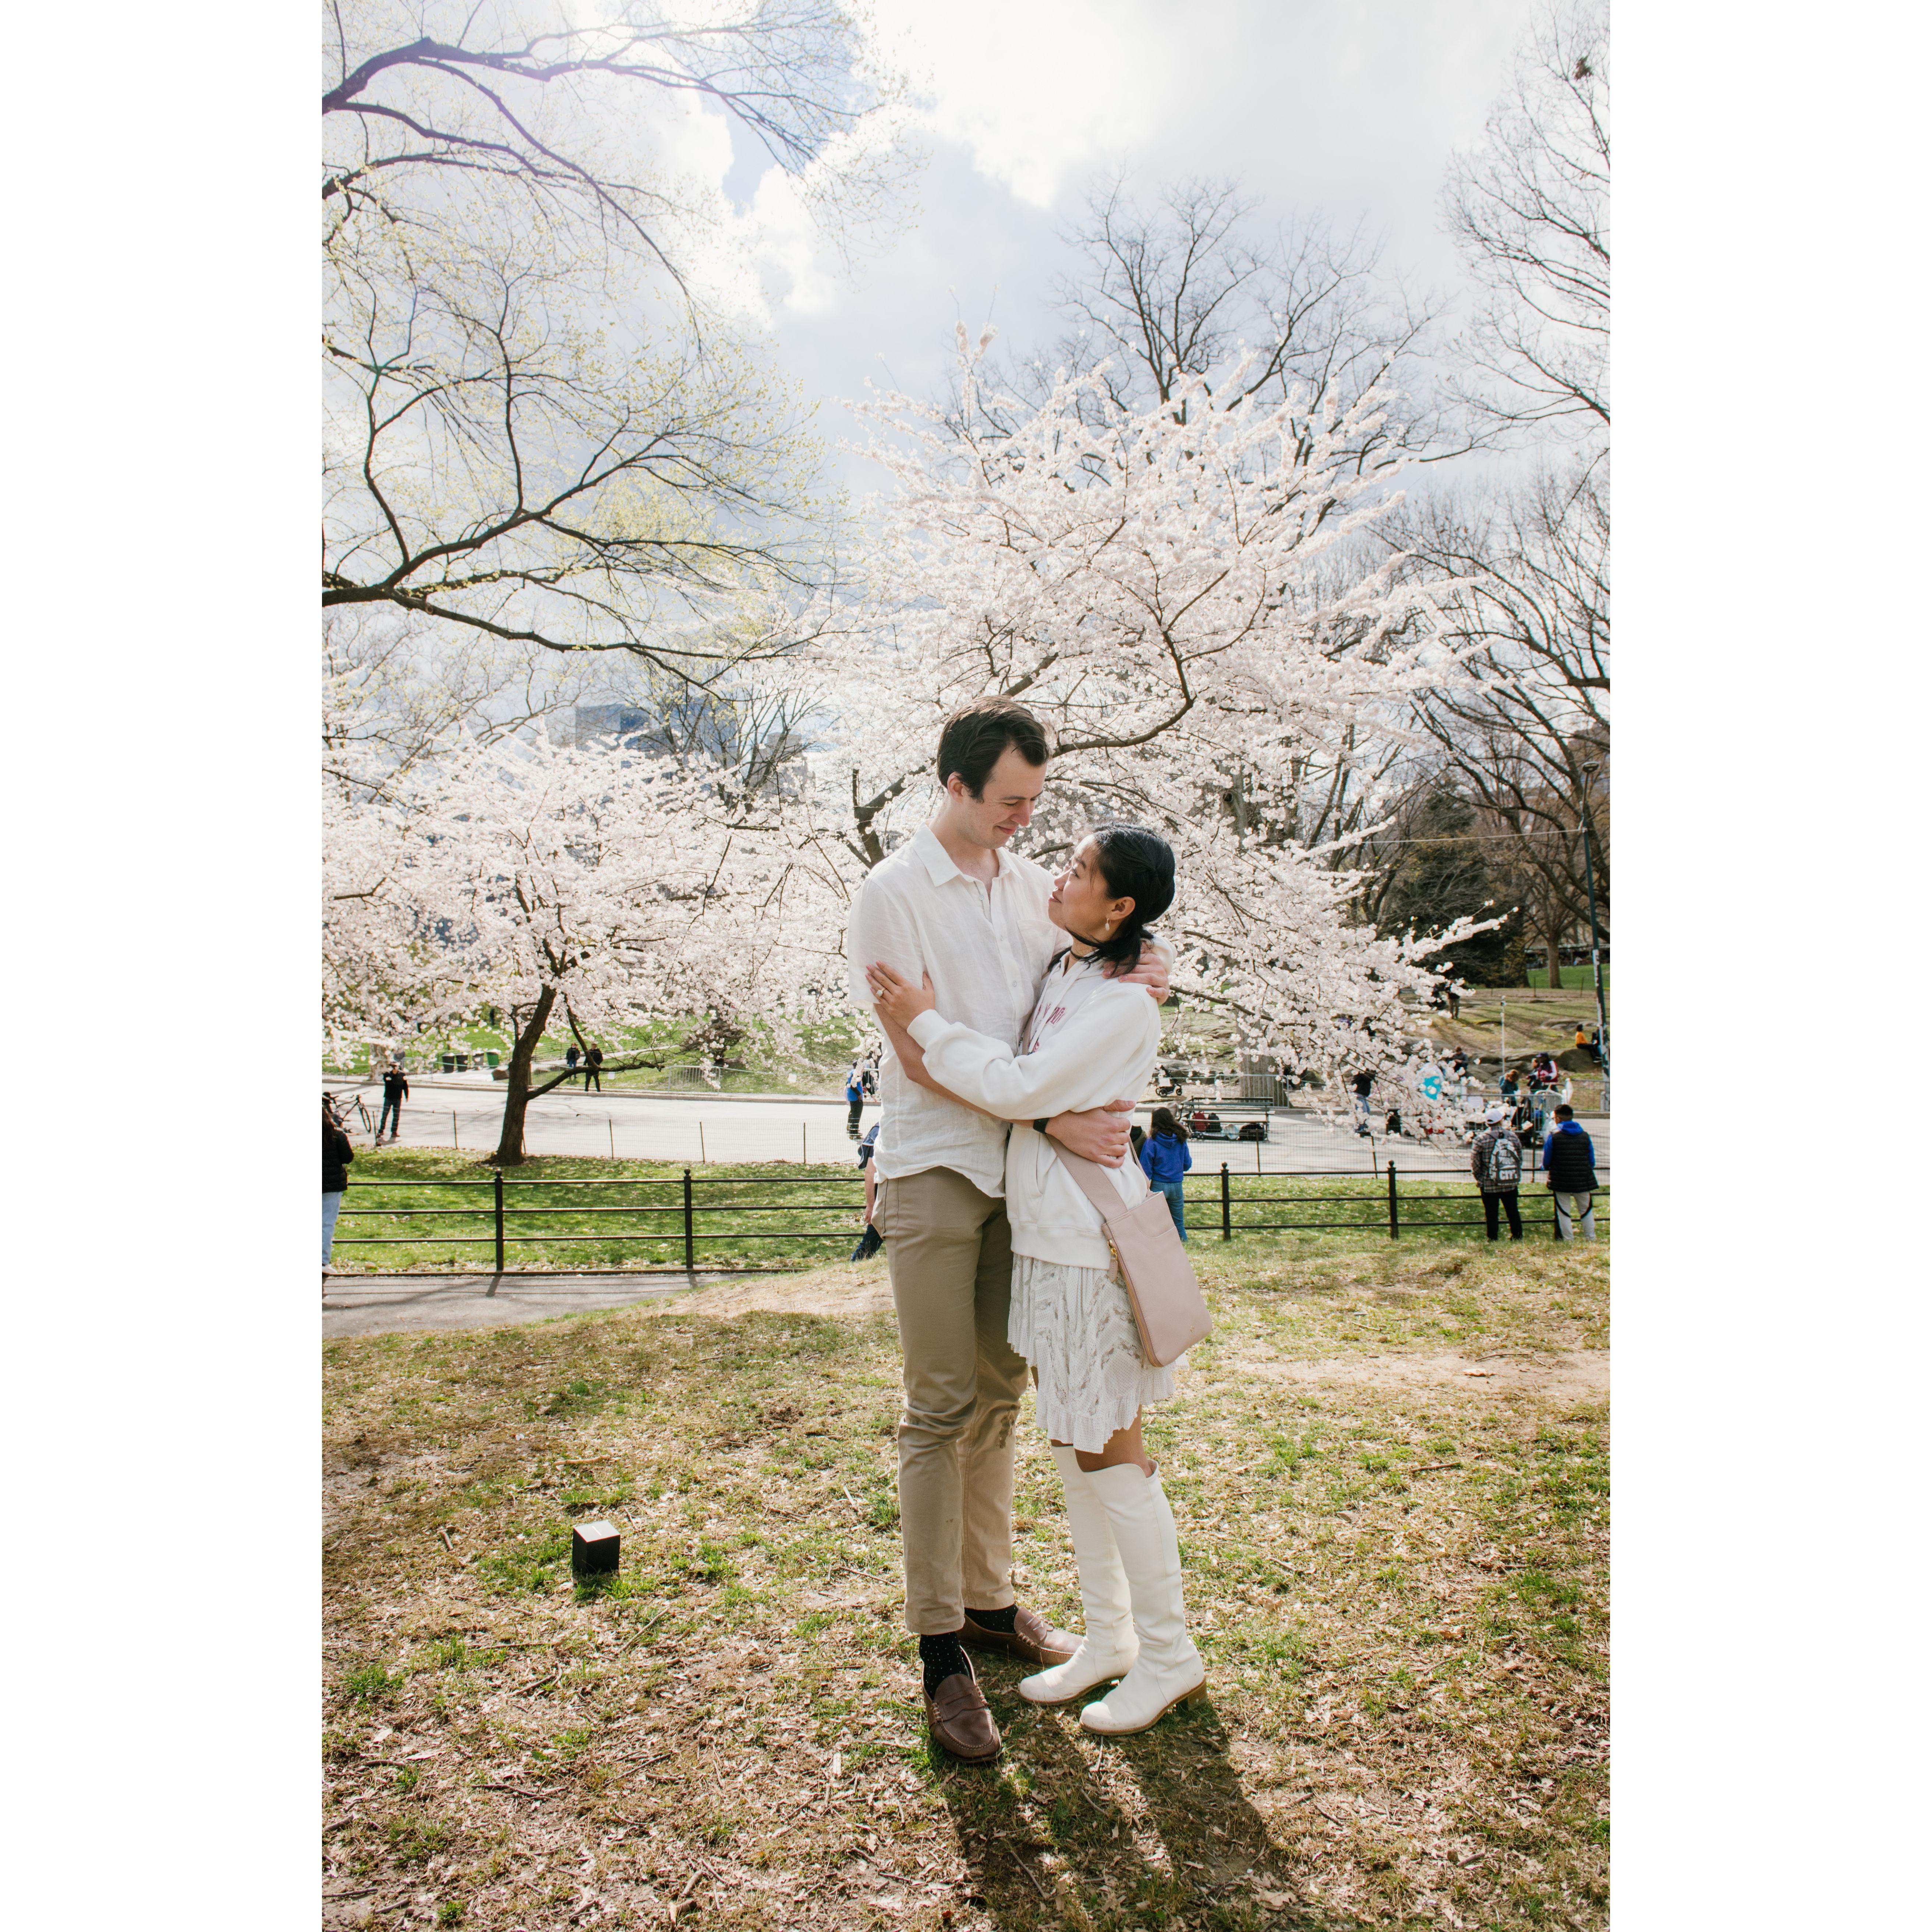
(463,1063)
(449,1063)
(494,1059)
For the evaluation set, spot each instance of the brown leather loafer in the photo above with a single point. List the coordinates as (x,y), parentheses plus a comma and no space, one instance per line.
(961,1719)
(1031,1638)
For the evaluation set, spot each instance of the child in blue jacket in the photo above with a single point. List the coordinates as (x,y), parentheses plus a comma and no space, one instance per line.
(1164,1159)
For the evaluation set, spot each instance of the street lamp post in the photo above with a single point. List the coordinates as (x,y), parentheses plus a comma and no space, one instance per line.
(1596,943)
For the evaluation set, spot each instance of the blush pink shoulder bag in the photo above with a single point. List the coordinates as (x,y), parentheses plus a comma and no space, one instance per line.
(1168,1310)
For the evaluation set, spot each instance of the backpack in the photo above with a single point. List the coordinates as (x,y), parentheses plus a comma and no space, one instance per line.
(1503,1166)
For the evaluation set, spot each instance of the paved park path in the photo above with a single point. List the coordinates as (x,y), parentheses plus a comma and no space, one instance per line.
(411,1304)
(466,1111)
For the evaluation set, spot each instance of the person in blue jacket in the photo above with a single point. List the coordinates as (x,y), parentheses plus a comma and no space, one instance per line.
(1164,1159)
(1569,1162)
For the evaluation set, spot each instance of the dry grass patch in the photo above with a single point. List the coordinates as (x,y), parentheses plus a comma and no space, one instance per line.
(1397,1576)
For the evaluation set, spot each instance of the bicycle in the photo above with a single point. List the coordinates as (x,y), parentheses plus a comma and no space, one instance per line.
(358,1106)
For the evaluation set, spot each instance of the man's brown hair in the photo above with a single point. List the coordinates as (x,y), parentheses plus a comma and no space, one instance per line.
(977,735)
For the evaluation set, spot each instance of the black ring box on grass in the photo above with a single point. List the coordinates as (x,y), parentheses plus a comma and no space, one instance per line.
(593,1549)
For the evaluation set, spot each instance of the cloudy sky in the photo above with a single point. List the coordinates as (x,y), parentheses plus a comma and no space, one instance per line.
(1351,110)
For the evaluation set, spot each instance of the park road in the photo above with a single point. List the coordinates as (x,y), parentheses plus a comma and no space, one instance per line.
(467,1111)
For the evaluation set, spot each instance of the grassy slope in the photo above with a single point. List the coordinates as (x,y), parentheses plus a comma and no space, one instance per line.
(1400,1586)
(829,1048)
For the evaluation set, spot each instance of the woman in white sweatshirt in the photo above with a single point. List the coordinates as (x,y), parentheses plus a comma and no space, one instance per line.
(1092,1039)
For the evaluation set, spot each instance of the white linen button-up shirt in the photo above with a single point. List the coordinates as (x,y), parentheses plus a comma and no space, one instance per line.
(986,945)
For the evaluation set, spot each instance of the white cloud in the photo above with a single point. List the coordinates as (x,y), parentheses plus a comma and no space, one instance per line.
(785,241)
(1039,91)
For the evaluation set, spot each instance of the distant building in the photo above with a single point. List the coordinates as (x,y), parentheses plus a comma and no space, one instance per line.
(632,727)
(696,726)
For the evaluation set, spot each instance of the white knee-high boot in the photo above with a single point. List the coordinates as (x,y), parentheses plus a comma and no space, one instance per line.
(1168,1670)
(1108,1646)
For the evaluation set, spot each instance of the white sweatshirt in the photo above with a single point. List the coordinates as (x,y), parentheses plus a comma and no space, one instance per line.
(1090,1040)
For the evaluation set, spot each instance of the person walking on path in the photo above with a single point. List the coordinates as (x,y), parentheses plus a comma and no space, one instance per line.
(1089,1036)
(1569,1162)
(1495,1160)
(571,1057)
(1364,1084)
(395,1091)
(1165,1158)
(337,1153)
(593,1059)
(952,904)
(855,1099)
(870,1242)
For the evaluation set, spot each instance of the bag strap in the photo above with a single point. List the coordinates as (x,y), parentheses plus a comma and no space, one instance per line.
(1091,1178)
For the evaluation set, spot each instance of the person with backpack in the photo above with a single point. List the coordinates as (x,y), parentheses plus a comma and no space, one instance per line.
(592,1060)
(1571,1162)
(1164,1159)
(1495,1161)
(1363,1083)
(855,1098)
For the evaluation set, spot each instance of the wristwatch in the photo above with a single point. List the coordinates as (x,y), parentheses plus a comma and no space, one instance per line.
(1039,1125)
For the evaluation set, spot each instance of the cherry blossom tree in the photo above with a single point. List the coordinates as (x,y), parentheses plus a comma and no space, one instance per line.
(546,887)
(1157,585)
(1165,592)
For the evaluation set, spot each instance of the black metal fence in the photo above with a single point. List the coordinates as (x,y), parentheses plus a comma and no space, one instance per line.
(675,1217)
(1390,1212)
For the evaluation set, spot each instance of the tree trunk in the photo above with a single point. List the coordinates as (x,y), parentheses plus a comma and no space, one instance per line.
(517,1089)
(1556,943)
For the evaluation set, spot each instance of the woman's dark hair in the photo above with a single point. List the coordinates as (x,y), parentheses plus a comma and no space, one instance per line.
(1163,1122)
(973,740)
(1137,865)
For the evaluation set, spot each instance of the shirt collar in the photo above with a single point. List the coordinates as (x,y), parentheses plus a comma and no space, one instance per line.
(939,864)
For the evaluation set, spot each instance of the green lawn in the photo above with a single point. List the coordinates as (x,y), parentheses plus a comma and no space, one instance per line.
(434,1211)
(829,1048)
(437,1208)
(1389,1468)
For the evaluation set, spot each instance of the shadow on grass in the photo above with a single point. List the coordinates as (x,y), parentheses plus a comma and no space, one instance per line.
(1047,1844)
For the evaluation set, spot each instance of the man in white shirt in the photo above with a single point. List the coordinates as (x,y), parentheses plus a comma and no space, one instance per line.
(952,903)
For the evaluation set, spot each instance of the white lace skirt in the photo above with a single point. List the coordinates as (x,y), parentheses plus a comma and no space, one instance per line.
(1075,1328)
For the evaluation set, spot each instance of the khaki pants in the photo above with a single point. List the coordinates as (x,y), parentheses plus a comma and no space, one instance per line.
(951,1256)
